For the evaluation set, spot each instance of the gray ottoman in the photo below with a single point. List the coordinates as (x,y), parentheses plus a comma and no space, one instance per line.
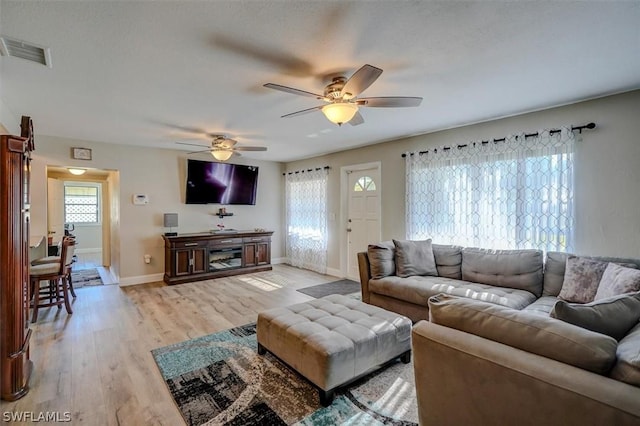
(334,340)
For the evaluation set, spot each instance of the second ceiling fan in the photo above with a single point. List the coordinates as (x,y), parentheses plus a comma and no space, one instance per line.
(222,147)
(341,97)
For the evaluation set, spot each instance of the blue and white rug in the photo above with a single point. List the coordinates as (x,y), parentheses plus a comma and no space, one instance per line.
(220,379)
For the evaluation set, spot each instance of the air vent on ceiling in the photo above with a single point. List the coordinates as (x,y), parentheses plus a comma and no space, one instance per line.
(22,49)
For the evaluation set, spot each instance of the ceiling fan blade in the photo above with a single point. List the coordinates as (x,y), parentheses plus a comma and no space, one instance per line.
(250,148)
(191,144)
(293,91)
(357,119)
(360,81)
(302,112)
(390,102)
(198,152)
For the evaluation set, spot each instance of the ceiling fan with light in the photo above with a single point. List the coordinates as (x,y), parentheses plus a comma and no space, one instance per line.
(223,147)
(341,97)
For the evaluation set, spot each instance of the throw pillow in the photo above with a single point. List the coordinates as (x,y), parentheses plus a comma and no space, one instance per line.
(414,258)
(616,280)
(581,279)
(614,316)
(381,259)
(627,366)
(540,335)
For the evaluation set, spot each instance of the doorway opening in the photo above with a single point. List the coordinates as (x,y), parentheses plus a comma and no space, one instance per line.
(86,207)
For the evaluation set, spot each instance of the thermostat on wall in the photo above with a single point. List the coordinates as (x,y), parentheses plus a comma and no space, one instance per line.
(140,199)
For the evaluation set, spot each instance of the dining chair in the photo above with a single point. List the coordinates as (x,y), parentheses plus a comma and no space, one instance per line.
(56,259)
(56,276)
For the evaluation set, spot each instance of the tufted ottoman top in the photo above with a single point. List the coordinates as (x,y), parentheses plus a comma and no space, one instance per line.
(333,339)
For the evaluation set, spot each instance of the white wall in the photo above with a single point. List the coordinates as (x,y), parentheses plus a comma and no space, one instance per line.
(9,123)
(607,184)
(160,174)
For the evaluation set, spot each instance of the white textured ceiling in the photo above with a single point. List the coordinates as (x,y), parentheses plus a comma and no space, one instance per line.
(147,72)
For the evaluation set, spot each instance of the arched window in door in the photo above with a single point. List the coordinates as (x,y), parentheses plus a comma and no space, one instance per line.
(365,183)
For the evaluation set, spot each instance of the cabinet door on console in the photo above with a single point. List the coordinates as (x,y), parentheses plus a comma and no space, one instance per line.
(182,261)
(200,260)
(249,257)
(263,255)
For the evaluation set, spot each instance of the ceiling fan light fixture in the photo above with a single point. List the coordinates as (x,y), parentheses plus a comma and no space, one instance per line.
(75,171)
(340,112)
(222,154)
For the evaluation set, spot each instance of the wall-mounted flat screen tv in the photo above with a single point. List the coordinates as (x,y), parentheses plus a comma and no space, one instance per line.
(221,183)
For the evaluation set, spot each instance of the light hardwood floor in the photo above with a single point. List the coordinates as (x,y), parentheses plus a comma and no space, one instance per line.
(97,363)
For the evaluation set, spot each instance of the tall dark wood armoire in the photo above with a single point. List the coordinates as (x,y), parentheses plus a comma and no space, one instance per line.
(15,366)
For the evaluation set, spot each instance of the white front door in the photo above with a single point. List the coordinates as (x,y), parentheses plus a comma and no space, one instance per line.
(363,214)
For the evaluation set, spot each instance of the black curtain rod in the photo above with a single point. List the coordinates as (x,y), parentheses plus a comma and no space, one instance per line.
(589,126)
(306,170)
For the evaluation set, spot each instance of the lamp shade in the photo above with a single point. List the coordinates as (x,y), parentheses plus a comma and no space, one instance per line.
(170,220)
(340,112)
(222,154)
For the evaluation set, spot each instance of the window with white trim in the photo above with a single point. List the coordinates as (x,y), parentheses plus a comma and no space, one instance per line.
(81,203)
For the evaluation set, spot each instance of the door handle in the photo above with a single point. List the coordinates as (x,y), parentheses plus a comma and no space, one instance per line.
(348,229)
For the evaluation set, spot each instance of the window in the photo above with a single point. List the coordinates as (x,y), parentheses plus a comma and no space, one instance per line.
(365,183)
(506,195)
(81,203)
(306,216)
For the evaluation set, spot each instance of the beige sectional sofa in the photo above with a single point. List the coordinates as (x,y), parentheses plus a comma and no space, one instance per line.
(518,279)
(491,353)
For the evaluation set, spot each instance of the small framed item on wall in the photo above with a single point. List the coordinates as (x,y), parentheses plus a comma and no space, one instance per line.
(81,153)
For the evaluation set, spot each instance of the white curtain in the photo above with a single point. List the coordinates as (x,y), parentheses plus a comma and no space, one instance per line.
(502,195)
(306,215)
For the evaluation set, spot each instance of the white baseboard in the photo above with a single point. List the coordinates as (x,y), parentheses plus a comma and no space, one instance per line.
(330,271)
(141,279)
(334,272)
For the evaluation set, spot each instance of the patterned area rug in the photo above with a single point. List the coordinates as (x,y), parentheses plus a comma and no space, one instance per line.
(85,278)
(220,379)
(336,287)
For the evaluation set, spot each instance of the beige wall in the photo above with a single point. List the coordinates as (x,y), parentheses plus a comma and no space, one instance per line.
(607,171)
(607,181)
(160,174)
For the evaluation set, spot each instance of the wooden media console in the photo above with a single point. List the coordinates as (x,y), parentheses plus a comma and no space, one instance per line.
(195,257)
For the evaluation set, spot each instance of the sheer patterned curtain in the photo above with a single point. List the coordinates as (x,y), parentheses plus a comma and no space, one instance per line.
(306,215)
(512,194)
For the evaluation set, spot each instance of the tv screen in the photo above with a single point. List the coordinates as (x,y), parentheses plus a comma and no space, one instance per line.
(220,183)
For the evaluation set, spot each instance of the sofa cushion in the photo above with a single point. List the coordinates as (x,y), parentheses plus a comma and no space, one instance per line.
(581,279)
(382,260)
(555,263)
(537,334)
(417,290)
(542,306)
(414,258)
(627,366)
(448,260)
(554,266)
(521,269)
(616,280)
(614,316)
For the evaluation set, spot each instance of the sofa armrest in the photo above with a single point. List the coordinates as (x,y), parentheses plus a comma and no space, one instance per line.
(466,379)
(365,275)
